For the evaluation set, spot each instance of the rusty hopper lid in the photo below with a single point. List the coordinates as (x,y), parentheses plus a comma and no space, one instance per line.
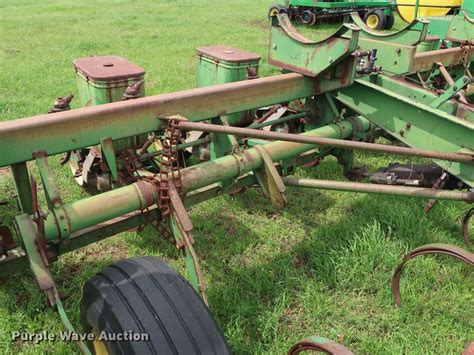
(228,54)
(107,68)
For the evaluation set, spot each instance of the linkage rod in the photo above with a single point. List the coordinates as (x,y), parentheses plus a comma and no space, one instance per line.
(339,143)
(381,189)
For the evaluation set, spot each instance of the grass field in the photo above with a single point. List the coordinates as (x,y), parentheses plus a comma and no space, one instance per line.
(322,266)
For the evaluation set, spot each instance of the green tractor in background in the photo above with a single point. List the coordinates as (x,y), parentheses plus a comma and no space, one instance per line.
(377,14)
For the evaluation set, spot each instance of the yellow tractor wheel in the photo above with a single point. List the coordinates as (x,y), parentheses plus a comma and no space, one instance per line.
(375,19)
(276,9)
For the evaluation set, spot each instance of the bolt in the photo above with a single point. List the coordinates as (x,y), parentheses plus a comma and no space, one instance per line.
(408,125)
(275,46)
(398,50)
(402,132)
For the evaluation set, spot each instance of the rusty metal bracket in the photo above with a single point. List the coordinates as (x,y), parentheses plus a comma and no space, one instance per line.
(182,229)
(451,92)
(62,104)
(51,191)
(40,269)
(270,180)
(465,226)
(319,344)
(133,91)
(38,218)
(108,153)
(445,249)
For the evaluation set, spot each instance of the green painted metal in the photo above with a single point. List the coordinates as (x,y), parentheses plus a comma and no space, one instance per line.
(89,212)
(417,124)
(339,4)
(94,93)
(395,51)
(330,66)
(219,65)
(110,83)
(23,188)
(452,91)
(291,51)
(27,230)
(67,323)
(423,96)
(64,131)
(225,168)
(90,222)
(53,197)
(222,144)
(461,27)
(109,155)
(413,34)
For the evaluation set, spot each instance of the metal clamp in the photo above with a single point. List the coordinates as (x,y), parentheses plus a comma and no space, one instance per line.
(270,180)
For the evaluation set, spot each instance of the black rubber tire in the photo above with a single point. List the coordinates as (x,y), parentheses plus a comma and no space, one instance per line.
(390,21)
(276,7)
(309,18)
(382,18)
(144,295)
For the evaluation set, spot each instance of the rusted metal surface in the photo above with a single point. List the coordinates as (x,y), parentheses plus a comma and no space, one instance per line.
(170,169)
(85,127)
(133,91)
(382,148)
(38,218)
(270,180)
(450,81)
(183,231)
(228,54)
(318,344)
(439,184)
(465,226)
(6,240)
(107,68)
(291,51)
(469,349)
(62,104)
(448,57)
(381,189)
(444,249)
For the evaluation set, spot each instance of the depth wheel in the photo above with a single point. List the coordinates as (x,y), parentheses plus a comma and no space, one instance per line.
(276,9)
(145,296)
(375,19)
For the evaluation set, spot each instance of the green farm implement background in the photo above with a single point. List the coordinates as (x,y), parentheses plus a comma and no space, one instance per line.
(321,266)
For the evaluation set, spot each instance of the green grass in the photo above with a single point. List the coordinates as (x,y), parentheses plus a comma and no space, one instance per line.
(322,266)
